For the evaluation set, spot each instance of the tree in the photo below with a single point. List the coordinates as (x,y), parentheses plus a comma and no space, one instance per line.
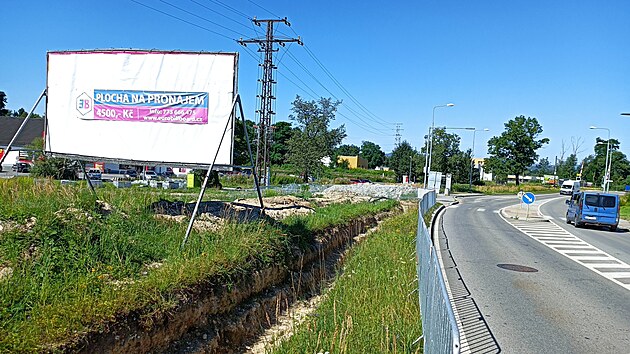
(515,149)
(22,113)
(543,167)
(459,167)
(448,158)
(373,154)
(55,167)
(347,150)
(313,140)
(343,150)
(594,165)
(403,158)
(3,104)
(567,169)
(282,132)
(241,154)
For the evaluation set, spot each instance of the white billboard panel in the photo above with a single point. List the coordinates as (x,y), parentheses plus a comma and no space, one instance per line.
(141,106)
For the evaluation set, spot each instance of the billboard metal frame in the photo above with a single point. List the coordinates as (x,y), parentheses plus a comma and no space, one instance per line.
(135,161)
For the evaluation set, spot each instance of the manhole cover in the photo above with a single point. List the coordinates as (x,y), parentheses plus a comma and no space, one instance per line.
(517,268)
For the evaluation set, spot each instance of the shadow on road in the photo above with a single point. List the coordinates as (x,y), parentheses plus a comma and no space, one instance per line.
(475,334)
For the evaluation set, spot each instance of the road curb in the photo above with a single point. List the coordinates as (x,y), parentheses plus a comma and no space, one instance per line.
(514,215)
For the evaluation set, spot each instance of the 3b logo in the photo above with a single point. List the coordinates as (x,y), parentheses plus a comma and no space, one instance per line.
(84,104)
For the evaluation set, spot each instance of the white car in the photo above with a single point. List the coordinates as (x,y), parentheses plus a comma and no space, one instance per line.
(148,175)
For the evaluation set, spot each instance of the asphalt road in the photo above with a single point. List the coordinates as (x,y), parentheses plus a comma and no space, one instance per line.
(545,301)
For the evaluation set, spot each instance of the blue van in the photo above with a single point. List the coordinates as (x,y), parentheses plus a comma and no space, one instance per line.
(593,208)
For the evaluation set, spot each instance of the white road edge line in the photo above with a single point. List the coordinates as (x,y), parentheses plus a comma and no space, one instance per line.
(463,342)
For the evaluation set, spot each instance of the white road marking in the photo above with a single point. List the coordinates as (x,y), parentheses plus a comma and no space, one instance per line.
(574,248)
(481,209)
(496,211)
(463,341)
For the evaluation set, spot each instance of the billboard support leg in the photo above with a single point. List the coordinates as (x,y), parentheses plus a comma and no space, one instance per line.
(87,178)
(251,159)
(28,116)
(205,180)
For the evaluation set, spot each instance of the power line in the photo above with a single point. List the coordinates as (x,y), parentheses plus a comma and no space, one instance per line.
(201,18)
(183,20)
(230,8)
(314,94)
(327,90)
(373,131)
(330,75)
(220,14)
(271,13)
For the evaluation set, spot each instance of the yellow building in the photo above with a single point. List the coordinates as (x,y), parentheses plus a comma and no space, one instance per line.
(354,161)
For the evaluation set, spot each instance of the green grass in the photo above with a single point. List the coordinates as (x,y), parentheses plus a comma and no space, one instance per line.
(372,307)
(75,269)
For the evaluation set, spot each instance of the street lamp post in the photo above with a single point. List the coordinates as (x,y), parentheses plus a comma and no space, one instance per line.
(426,158)
(606,163)
(410,169)
(431,132)
(472,156)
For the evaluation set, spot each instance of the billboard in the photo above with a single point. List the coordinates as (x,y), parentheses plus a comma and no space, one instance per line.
(144,107)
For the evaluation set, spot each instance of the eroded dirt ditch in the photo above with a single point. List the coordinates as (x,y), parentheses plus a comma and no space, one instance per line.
(231,317)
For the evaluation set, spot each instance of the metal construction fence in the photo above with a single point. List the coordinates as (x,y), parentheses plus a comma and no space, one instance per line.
(439,328)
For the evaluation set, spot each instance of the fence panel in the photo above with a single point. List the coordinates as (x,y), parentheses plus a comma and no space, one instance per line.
(439,327)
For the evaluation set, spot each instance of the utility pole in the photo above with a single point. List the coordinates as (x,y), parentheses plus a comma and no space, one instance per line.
(267,98)
(397,136)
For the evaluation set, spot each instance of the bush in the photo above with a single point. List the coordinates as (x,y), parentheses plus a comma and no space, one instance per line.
(458,187)
(280,179)
(56,168)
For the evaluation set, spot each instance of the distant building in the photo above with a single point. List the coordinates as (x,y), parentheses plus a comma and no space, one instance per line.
(353,161)
(523,179)
(34,128)
(478,164)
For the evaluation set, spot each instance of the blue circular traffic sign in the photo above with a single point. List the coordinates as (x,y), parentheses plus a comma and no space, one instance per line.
(528,198)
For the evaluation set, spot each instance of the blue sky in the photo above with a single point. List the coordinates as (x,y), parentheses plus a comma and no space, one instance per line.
(567,63)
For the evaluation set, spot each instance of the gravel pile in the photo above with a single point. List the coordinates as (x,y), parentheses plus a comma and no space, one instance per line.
(373,190)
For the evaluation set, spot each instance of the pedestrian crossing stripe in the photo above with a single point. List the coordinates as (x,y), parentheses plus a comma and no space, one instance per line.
(576,249)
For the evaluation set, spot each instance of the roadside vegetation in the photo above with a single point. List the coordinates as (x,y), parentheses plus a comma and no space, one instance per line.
(493,188)
(373,305)
(70,264)
(328,175)
(625,206)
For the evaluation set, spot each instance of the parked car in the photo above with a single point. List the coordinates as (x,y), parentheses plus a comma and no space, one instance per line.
(131,174)
(148,175)
(94,173)
(593,208)
(167,174)
(21,167)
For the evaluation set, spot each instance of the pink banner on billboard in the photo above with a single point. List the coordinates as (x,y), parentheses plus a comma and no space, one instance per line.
(149,106)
